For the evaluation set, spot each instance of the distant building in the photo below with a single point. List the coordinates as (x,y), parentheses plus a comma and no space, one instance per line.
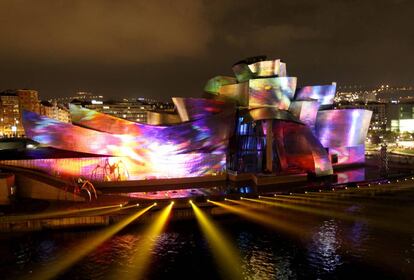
(14,102)
(80,96)
(29,100)
(401,117)
(54,111)
(133,109)
(10,117)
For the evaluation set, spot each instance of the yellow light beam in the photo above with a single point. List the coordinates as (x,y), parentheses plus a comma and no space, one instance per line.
(310,210)
(338,200)
(109,211)
(315,200)
(54,214)
(141,259)
(387,224)
(295,200)
(226,255)
(307,199)
(263,219)
(84,247)
(369,195)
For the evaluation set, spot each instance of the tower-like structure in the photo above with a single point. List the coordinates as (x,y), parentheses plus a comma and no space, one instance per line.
(281,128)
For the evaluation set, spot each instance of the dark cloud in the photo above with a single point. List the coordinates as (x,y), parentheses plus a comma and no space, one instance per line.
(167,48)
(92,31)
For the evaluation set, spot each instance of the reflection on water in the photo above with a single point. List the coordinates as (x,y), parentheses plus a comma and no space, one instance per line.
(261,261)
(323,250)
(333,249)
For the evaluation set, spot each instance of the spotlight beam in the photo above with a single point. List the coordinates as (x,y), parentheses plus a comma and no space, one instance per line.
(394,225)
(141,259)
(344,201)
(82,249)
(263,219)
(56,214)
(226,255)
(365,196)
(305,199)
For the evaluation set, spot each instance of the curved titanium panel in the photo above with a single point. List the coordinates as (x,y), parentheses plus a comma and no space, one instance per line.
(269,113)
(274,92)
(93,168)
(213,85)
(235,93)
(297,147)
(192,148)
(209,134)
(342,128)
(200,129)
(103,122)
(196,108)
(162,118)
(324,94)
(242,72)
(305,111)
(348,155)
(245,71)
(282,70)
(66,136)
(265,68)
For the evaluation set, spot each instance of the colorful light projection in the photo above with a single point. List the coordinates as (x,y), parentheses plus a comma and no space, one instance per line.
(282,70)
(306,111)
(235,93)
(162,118)
(258,67)
(125,168)
(297,147)
(344,133)
(197,108)
(192,149)
(266,68)
(324,94)
(201,134)
(213,85)
(242,72)
(198,146)
(272,92)
(269,113)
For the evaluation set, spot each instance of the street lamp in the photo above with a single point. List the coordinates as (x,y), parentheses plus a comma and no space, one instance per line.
(16,125)
(14,130)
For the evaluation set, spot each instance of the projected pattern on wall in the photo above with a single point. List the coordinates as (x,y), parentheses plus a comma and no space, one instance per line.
(239,122)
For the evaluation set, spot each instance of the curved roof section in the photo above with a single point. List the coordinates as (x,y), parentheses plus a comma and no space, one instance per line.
(258,67)
(213,85)
(273,92)
(206,135)
(324,94)
(268,113)
(162,118)
(196,108)
(235,93)
(306,111)
(297,147)
(266,68)
(342,128)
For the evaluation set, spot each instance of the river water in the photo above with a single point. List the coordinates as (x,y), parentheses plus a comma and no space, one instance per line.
(372,238)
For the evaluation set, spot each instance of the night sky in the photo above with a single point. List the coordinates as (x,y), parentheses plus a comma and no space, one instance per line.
(161,49)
